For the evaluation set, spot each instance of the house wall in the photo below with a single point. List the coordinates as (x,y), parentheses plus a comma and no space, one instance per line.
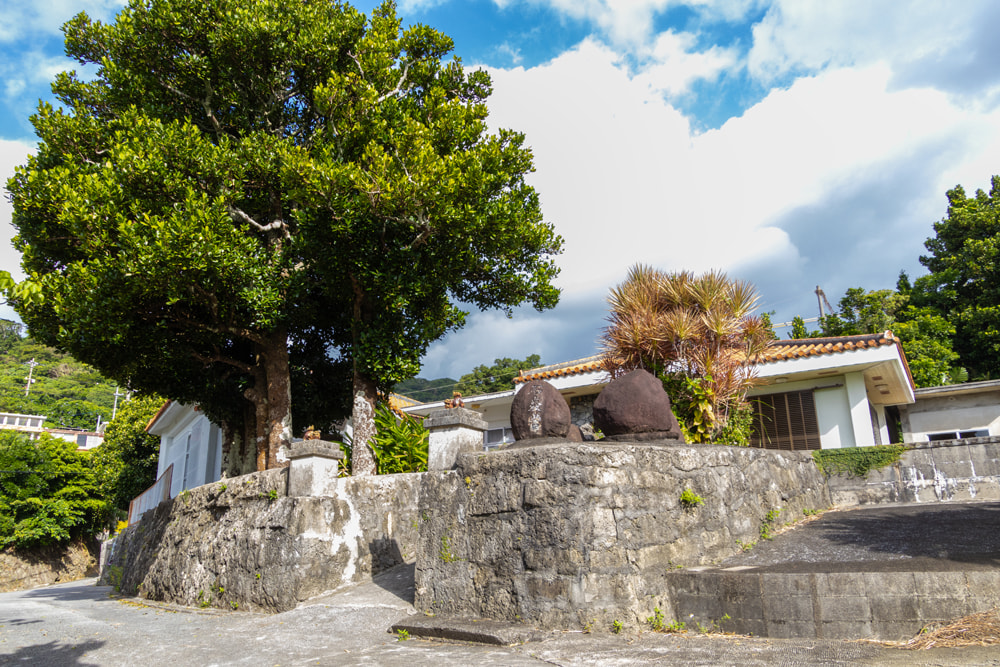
(842,409)
(194,446)
(963,412)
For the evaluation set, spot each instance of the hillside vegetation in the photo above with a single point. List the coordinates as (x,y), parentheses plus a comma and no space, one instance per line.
(70,394)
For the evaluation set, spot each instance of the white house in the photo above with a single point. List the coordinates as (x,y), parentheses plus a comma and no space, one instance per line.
(188,441)
(953,411)
(812,393)
(830,392)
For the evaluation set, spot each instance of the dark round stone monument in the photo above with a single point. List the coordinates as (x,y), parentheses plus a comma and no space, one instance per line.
(635,407)
(539,411)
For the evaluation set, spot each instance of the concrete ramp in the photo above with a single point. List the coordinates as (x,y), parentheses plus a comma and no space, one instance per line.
(880,572)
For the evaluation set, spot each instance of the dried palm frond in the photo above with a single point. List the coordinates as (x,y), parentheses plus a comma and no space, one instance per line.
(680,324)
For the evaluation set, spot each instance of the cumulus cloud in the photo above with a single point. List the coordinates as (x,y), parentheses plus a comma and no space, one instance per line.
(675,63)
(835,180)
(924,43)
(22,18)
(12,154)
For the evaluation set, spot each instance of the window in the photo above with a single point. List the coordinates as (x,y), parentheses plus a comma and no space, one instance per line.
(785,421)
(957,435)
(495,437)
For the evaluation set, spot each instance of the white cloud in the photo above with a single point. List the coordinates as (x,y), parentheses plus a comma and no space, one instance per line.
(12,154)
(950,47)
(834,181)
(674,64)
(20,19)
(413,6)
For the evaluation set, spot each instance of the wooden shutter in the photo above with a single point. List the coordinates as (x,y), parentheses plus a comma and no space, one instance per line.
(785,421)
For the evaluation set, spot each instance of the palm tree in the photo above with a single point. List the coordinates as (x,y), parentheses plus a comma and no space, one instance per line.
(695,333)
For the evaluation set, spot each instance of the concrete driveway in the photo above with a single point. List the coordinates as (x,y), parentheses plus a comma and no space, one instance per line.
(79,623)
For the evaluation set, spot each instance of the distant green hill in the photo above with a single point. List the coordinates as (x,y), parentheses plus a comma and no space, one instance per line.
(426,391)
(69,393)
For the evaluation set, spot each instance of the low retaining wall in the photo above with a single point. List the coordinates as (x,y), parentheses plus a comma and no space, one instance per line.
(929,472)
(28,568)
(564,536)
(242,543)
(831,605)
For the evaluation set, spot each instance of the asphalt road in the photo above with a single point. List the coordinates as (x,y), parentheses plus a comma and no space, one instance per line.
(79,623)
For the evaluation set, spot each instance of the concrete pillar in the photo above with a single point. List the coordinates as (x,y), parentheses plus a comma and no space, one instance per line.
(861,414)
(313,469)
(453,431)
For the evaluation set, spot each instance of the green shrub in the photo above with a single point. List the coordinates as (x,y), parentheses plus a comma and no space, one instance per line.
(48,492)
(857,461)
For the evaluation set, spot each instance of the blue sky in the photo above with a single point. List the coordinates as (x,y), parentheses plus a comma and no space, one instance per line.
(789,143)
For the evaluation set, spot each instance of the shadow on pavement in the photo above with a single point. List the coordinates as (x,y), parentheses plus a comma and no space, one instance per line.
(53,653)
(83,589)
(398,581)
(941,535)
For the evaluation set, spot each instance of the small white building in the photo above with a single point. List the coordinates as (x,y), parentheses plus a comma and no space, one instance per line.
(189,442)
(824,393)
(953,411)
(29,424)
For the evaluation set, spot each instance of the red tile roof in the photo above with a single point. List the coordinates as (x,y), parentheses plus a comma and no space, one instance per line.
(578,367)
(782,350)
(779,350)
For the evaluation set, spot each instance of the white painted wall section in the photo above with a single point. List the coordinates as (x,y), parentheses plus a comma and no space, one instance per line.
(833,413)
(861,421)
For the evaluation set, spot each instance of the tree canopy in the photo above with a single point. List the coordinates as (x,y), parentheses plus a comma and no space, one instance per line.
(963,285)
(926,336)
(498,377)
(48,491)
(258,199)
(126,461)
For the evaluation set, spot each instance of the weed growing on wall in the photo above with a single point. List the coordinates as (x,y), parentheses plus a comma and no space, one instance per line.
(690,499)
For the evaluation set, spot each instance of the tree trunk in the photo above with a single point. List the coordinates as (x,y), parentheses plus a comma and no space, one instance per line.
(363,419)
(272,399)
(364,393)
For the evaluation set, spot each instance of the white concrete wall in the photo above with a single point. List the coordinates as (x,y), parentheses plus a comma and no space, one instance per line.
(953,413)
(833,412)
(193,445)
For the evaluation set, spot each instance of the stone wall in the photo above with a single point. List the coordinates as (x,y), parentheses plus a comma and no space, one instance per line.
(28,568)
(581,409)
(562,536)
(959,470)
(242,543)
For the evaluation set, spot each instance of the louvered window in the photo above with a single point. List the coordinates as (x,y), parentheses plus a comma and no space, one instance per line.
(785,421)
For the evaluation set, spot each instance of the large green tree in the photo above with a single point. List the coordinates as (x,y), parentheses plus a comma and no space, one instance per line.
(498,377)
(250,189)
(126,460)
(963,285)
(926,336)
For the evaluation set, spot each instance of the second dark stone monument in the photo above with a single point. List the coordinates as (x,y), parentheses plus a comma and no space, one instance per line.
(635,407)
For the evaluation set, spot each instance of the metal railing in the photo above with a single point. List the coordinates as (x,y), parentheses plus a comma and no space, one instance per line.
(152,496)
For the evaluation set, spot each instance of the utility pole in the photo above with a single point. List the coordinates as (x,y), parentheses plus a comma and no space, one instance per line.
(821,299)
(28,380)
(114,410)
